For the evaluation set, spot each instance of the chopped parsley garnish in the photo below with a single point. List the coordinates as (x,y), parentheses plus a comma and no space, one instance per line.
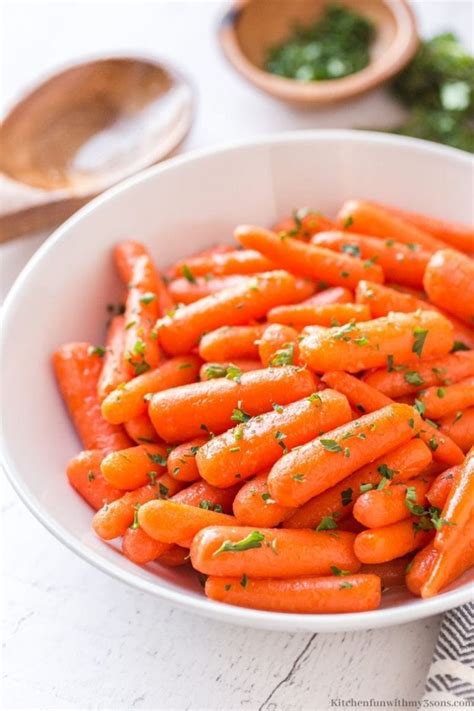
(348,222)
(96,350)
(327,523)
(298,477)
(163,490)
(365,487)
(441,392)
(412,377)
(239,415)
(253,540)
(352,249)
(433,444)
(215,371)
(280,438)
(345,586)
(337,571)
(233,373)
(284,355)
(210,506)
(147,298)
(459,346)
(157,459)
(420,406)
(346,497)
(187,273)
(419,340)
(330,445)
(244,580)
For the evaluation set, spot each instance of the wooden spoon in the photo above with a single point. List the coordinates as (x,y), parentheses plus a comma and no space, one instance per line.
(83,130)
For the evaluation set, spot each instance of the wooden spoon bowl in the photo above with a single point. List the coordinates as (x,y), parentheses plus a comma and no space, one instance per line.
(251,27)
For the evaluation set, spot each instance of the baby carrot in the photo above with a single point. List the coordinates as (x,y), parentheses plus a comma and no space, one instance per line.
(438,401)
(237,306)
(459,506)
(135,466)
(419,568)
(141,430)
(322,463)
(184,291)
(301,315)
(355,347)
(459,427)
(174,557)
(83,472)
(449,283)
(138,547)
(304,224)
(186,412)
(377,508)
(278,345)
(365,398)
(174,522)
(303,595)
(176,268)
(209,371)
(258,443)
(401,263)
(450,564)
(439,490)
(113,371)
(254,506)
(238,261)
(272,552)
(392,573)
(231,343)
(379,545)
(125,256)
(182,460)
(437,372)
(403,463)
(77,367)
(366,218)
(308,260)
(130,400)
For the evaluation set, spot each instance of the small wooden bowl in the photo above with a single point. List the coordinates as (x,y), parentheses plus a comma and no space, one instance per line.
(251,27)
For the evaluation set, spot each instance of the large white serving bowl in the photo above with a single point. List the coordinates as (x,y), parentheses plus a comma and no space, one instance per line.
(176,208)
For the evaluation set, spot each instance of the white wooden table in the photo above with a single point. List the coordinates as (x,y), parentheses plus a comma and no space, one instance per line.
(76,639)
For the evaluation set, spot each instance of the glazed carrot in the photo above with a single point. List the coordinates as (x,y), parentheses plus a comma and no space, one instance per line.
(258,443)
(278,345)
(246,261)
(182,460)
(439,490)
(355,347)
(83,472)
(230,307)
(113,371)
(406,462)
(176,268)
(419,568)
(392,573)
(141,430)
(271,552)
(455,234)
(401,263)
(436,372)
(138,547)
(308,260)
(365,218)
(77,367)
(253,505)
(129,401)
(310,595)
(459,506)
(209,371)
(186,412)
(450,564)
(113,519)
(377,508)
(184,291)
(231,343)
(174,557)
(365,398)
(302,315)
(322,463)
(135,466)
(379,545)
(449,283)
(174,522)
(306,224)
(459,427)
(438,401)
(126,255)
(331,295)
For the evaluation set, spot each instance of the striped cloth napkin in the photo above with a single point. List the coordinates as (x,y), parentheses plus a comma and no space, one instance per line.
(451,675)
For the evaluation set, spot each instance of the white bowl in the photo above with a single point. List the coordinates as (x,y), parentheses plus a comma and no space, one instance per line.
(176,208)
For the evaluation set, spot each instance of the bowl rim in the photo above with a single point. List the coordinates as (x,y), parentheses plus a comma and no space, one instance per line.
(382,617)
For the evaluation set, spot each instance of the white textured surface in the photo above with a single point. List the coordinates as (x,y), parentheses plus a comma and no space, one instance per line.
(75,639)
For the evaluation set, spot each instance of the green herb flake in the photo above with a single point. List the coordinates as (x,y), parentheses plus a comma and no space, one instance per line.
(244,580)
(346,497)
(157,459)
(348,222)
(420,406)
(420,335)
(327,523)
(253,540)
(459,346)
(412,377)
(365,487)
(337,571)
(330,445)
(233,373)
(352,249)
(441,392)
(187,273)
(239,415)
(147,298)
(345,586)
(163,490)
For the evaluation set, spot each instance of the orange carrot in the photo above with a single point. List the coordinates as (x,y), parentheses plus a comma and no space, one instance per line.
(176,268)
(271,552)
(141,430)
(254,506)
(184,291)
(209,371)
(138,547)
(439,401)
(322,463)
(83,472)
(278,345)
(126,256)
(302,315)
(113,371)
(304,224)
(355,347)
(460,428)
(182,460)
(439,490)
(135,466)
(174,522)
(366,218)
(230,307)
(206,496)
(77,367)
(392,573)
(405,462)
(377,508)
(223,264)
(186,412)
(437,372)
(379,545)
(310,595)
(131,400)
(401,263)
(419,568)
(258,443)
(449,283)
(231,343)
(308,260)
(459,506)
(174,557)
(365,398)
(450,564)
